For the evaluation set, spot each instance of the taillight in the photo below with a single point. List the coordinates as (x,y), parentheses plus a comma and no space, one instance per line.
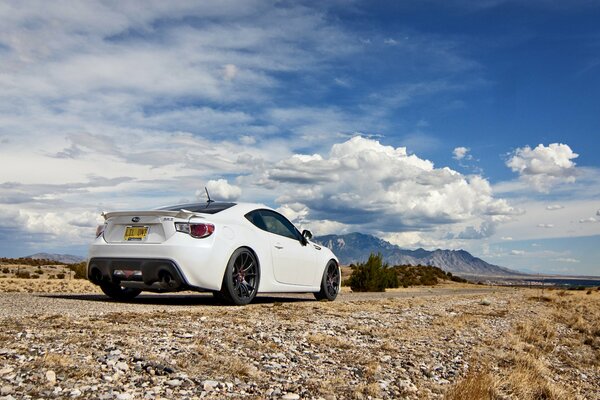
(197,231)
(100,230)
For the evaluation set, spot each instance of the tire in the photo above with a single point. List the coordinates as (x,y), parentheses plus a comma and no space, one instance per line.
(119,293)
(330,283)
(241,279)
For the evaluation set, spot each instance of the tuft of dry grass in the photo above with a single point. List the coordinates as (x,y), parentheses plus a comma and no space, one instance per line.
(476,385)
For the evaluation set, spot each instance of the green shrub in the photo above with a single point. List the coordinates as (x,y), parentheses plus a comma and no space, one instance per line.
(80,270)
(6,270)
(60,276)
(39,271)
(372,276)
(23,275)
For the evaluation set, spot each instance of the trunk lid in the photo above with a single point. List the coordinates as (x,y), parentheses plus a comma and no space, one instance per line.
(140,227)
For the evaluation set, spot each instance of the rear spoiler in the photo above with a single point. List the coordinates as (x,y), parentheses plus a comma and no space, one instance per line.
(152,213)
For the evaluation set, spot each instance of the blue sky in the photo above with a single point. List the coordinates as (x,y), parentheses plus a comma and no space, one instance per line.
(449,124)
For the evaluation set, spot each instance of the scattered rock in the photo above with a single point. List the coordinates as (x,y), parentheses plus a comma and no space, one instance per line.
(6,389)
(173,382)
(51,376)
(121,366)
(209,385)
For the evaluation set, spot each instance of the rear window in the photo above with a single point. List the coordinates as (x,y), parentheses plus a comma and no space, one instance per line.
(204,208)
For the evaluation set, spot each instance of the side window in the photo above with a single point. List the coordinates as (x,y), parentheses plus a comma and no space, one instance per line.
(256,220)
(278,224)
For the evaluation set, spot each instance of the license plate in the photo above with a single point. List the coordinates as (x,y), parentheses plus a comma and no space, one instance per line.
(136,232)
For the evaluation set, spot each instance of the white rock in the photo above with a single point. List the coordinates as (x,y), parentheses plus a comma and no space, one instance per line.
(6,371)
(290,396)
(51,376)
(6,389)
(75,393)
(209,385)
(122,366)
(173,382)
(124,396)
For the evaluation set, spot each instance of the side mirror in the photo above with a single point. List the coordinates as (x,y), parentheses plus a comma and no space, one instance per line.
(306,234)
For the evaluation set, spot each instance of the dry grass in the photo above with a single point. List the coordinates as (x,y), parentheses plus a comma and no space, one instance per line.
(476,385)
(17,285)
(563,329)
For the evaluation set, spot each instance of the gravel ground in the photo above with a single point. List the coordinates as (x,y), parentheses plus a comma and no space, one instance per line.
(405,344)
(87,304)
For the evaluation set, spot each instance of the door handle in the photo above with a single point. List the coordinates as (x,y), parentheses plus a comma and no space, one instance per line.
(278,246)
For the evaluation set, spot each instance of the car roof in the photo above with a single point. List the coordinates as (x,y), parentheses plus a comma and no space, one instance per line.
(215,207)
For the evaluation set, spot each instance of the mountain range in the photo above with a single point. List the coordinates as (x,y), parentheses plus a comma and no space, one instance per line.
(64,258)
(353,248)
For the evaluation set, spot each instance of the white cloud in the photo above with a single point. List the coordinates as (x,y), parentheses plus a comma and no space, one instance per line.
(517,252)
(568,260)
(460,152)
(363,183)
(221,190)
(554,207)
(546,226)
(230,71)
(544,166)
(589,220)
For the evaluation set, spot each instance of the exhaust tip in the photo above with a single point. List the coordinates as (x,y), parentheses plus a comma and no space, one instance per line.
(166,279)
(96,275)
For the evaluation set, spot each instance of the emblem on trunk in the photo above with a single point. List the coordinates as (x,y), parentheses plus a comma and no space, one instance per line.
(135,219)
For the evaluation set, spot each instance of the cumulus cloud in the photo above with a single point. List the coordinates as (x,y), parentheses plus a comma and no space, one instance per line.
(554,207)
(547,226)
(363,183)
(544,166)
(220,189)
(461,152)
(517,252)
(568,260)
(589,220)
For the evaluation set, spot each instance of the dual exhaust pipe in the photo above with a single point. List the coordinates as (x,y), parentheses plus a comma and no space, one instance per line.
(133,279)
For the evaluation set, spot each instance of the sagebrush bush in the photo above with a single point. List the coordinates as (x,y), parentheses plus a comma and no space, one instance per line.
(80,270)
(373,276)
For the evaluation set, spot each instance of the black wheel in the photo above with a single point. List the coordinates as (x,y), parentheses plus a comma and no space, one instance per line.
(118,292)
(330,284)
(241,279)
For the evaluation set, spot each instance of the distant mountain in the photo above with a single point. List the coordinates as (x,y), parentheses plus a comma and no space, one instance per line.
(356,247)
(64,258)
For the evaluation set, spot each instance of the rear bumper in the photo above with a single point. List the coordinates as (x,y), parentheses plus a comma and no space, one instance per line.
(152,274)
(196,264)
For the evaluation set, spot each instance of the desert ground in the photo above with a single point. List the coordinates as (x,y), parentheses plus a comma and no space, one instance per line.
(62,339)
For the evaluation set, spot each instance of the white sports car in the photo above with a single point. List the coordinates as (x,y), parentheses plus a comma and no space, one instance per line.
(233,250)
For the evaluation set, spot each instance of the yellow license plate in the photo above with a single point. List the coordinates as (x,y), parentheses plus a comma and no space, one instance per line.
(136,232)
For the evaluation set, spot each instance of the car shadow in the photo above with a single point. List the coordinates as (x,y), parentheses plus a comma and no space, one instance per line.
(176,300)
